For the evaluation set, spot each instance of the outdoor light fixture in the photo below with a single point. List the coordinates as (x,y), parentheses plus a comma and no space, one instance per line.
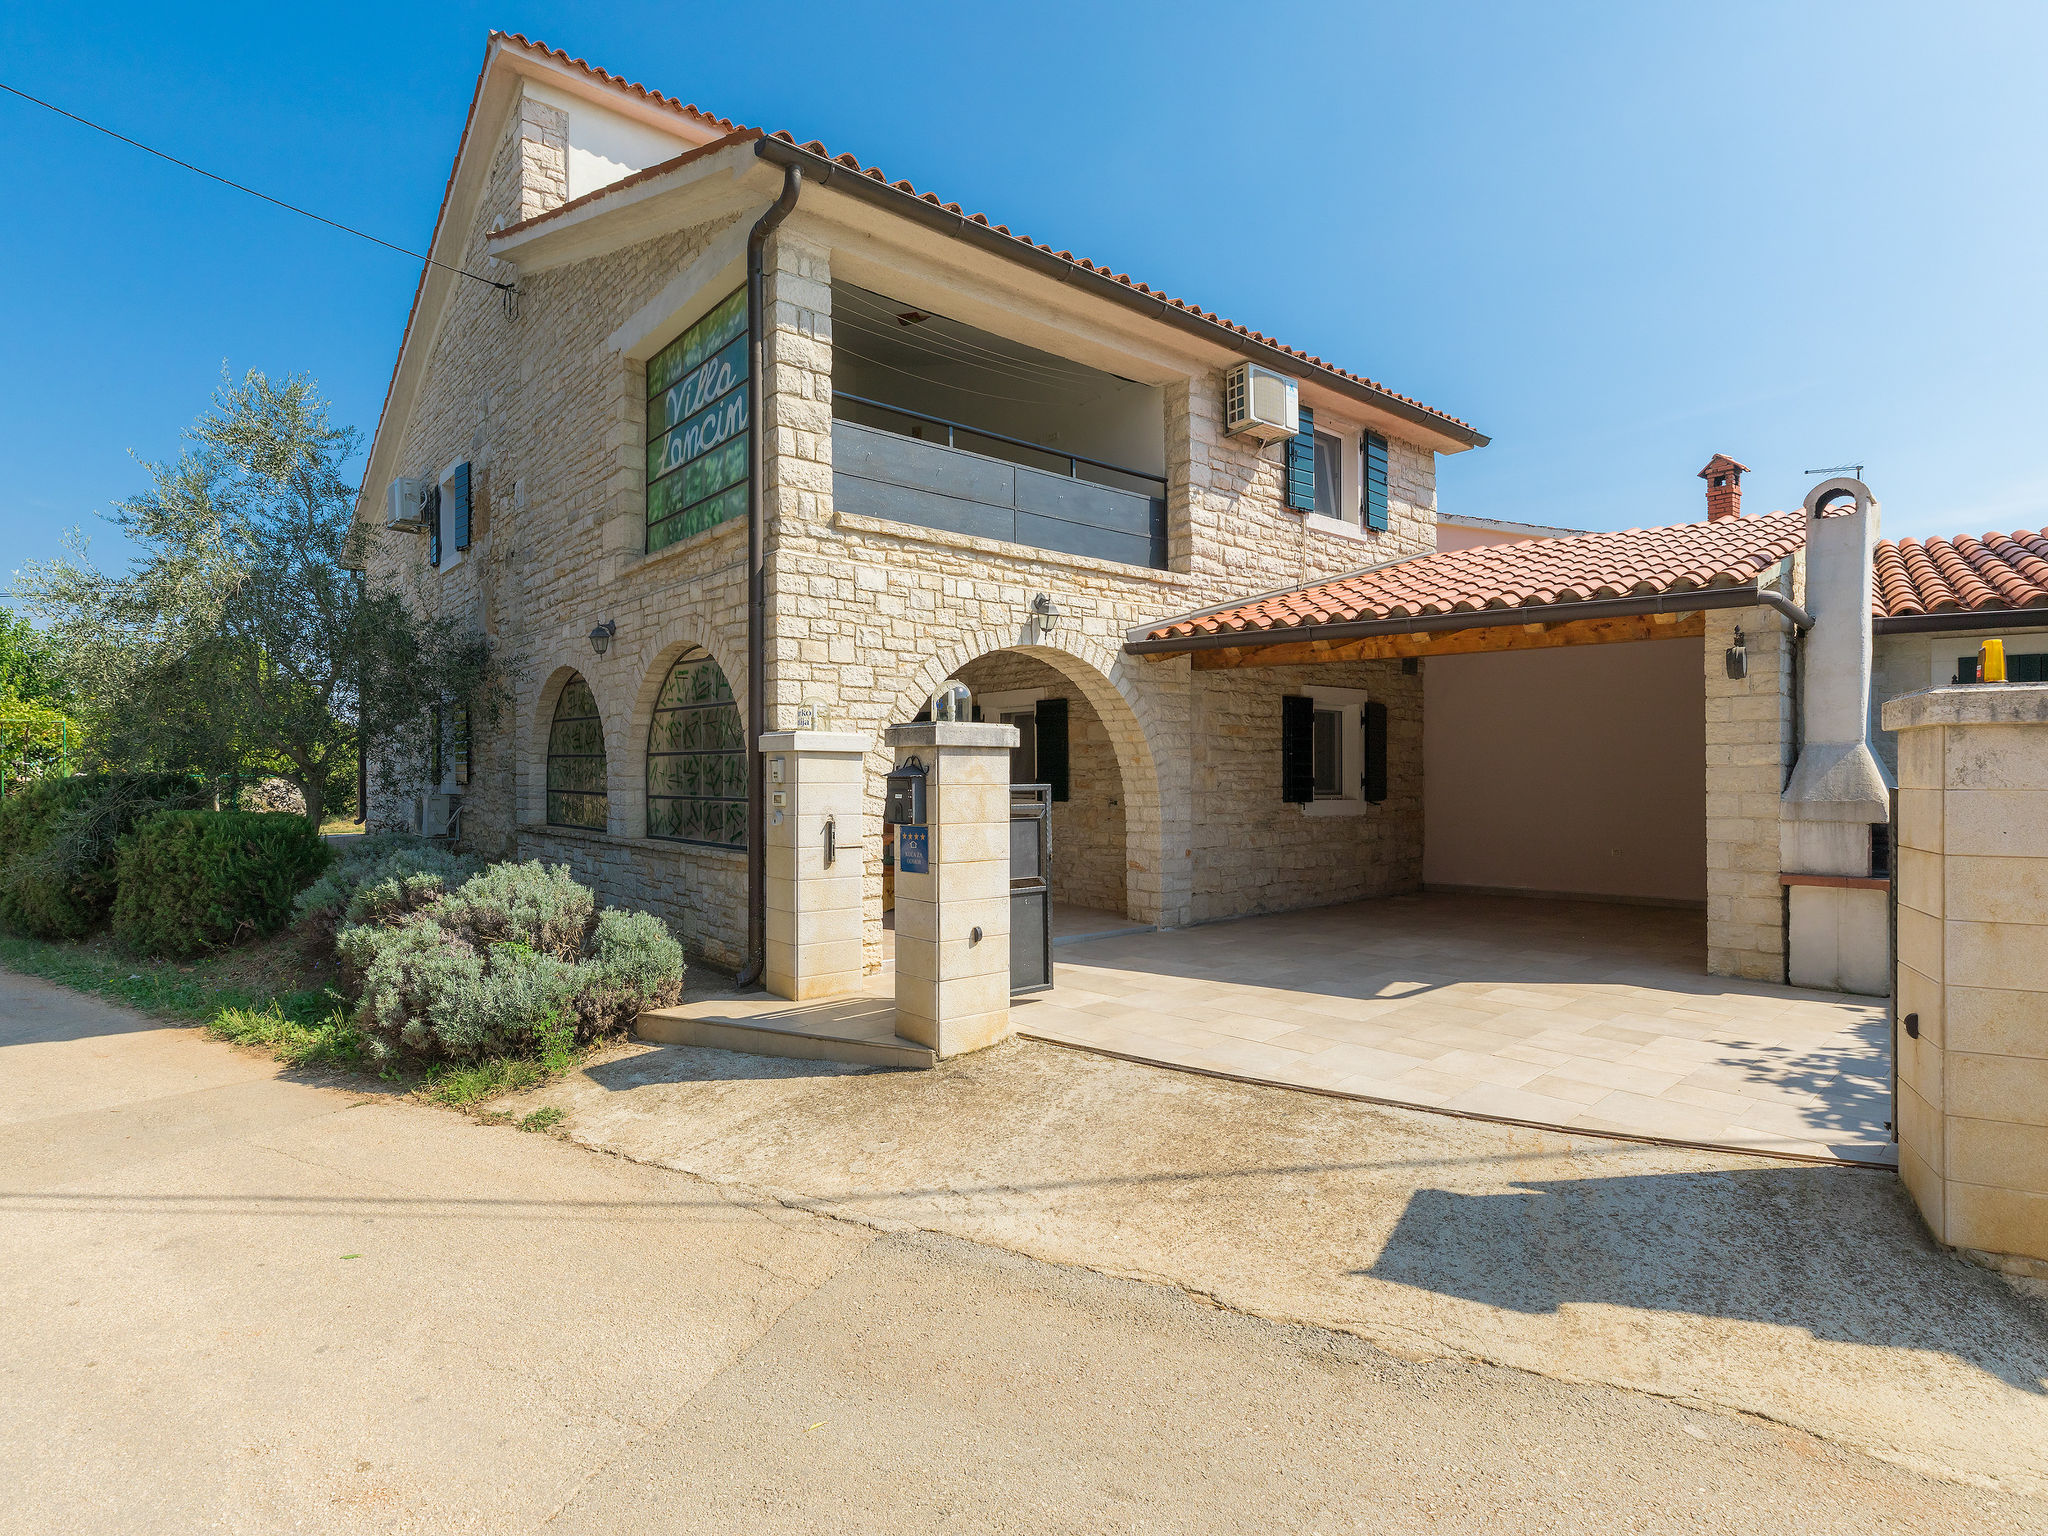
(601,637)
(1043,612)
(1738,656)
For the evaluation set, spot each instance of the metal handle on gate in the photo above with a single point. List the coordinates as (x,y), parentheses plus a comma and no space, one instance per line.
(831,840)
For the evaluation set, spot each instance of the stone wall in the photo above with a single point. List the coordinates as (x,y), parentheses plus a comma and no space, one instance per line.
(1749,752)
(865,618)
(1253,852)
(699,892)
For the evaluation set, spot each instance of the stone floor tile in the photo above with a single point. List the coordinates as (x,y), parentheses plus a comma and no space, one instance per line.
(1516,1104)
(1573,1089)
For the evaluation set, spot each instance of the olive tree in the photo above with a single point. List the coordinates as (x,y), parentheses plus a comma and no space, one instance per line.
(243,639)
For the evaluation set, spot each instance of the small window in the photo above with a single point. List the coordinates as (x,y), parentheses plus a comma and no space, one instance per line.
(1329,474)
(1329,754)
(577,785)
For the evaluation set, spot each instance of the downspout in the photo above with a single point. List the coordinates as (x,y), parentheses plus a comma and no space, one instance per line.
(757,584)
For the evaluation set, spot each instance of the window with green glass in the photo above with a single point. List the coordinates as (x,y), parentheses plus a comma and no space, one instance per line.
(697,758)
(577,794)
(697,426)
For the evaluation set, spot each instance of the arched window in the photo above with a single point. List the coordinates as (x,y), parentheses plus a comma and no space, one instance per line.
(697,758)
(576,772)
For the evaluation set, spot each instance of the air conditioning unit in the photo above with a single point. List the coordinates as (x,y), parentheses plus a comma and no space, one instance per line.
(405,504)
(1260,404)
(440,815)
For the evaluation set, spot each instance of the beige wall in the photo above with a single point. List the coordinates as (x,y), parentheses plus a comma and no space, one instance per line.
(1254,852)
(1973,964)
(1580,769)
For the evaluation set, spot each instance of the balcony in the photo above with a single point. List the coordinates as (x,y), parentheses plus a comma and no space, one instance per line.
(945,426)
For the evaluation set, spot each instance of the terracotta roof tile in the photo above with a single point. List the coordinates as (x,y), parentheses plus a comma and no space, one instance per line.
(1997,572)
(1640,562)
(853,163)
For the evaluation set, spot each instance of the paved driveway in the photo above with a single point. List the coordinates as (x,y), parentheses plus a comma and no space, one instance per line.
(1580,1014)
(231,1301)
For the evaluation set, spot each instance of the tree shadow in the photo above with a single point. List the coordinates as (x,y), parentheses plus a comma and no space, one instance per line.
(658,1064)
(1786,1246)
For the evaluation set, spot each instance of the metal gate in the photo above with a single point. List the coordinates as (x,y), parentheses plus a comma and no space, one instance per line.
(1030,888)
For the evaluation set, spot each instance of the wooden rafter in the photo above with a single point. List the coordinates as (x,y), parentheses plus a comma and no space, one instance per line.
(1458,642)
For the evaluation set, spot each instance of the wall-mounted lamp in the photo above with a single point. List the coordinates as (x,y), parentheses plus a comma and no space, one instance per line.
(1738,656)
(1044,612)
(601,637)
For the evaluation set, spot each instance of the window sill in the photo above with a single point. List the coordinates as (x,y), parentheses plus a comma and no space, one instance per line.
(1334,807)
(1338,528)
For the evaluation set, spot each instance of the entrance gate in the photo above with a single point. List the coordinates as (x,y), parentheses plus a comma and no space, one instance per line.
(1030,888)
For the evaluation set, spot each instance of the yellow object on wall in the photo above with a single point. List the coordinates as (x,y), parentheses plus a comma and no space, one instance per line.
(1991,662)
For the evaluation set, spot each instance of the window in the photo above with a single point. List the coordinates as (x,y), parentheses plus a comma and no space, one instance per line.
(1332,751)
(1329,471)
(697,758)
(577,788)
(697,427)
(1329,753)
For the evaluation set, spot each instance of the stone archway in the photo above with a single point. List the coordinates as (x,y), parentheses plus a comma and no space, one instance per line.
(1120,708)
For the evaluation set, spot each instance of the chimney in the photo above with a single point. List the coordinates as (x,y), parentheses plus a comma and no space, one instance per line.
(1724,487)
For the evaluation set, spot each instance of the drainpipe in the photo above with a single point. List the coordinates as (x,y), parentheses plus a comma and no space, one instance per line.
(757,584)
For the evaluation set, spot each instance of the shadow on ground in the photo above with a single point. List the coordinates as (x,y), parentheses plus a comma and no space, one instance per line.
(1764,1244)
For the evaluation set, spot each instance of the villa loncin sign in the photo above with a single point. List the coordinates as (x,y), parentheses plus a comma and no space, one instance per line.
(697,426)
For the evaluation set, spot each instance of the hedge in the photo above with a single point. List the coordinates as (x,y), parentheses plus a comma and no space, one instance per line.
(191,881)
(59,839)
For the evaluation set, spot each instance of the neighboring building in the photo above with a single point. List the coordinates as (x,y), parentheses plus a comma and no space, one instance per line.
(979,458)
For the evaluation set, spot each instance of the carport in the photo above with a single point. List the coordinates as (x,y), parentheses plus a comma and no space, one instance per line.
(1605,727)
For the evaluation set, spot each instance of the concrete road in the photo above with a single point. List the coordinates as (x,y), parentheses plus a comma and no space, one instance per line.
(232,1301)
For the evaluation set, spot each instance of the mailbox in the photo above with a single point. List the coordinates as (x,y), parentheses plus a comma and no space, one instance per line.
(905,804)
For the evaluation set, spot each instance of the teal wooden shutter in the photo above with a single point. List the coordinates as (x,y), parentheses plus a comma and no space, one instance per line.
(1373,782)
(1297,748)
(1373,451)
(1052,745)
(461,508)
(1300,470)
(433,517)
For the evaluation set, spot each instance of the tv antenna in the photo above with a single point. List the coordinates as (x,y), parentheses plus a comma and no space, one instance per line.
(1837,469)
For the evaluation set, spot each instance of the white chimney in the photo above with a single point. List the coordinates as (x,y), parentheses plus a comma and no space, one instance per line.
(1838,789)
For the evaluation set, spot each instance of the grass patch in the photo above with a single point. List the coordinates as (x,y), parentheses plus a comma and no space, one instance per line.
(300,1026)
(546,1118)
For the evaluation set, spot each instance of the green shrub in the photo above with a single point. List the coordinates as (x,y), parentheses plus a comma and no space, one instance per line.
(191,881)
(376,877)
(59,839)
(515,961)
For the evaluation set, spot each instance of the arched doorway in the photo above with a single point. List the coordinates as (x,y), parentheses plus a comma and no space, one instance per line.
(1079,732)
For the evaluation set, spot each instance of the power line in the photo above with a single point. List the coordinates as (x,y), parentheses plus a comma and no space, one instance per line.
(278,201)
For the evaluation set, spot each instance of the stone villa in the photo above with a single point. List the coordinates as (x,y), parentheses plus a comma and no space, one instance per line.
(1195,568)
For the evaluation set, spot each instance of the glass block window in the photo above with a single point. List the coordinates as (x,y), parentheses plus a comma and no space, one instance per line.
(697,758)
(576,770)
(697,427)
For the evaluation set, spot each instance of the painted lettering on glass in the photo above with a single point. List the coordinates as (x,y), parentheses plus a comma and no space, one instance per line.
(697,437)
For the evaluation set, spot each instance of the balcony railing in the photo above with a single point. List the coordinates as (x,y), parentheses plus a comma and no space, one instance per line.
(909,467)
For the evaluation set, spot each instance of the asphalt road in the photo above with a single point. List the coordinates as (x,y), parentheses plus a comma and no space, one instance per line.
(232,1301)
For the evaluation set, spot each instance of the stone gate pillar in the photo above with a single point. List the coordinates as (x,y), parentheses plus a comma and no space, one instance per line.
(1972,993)
(814,781)
(953,915)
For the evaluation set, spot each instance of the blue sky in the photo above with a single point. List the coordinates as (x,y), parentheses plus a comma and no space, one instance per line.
(1618,238)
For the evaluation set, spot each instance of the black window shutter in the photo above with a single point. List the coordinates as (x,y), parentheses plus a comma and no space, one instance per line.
(1052,745)
(1297,748)
(433,516)
(461,499)
(1373,717)
(1300,471)
(1373,449)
